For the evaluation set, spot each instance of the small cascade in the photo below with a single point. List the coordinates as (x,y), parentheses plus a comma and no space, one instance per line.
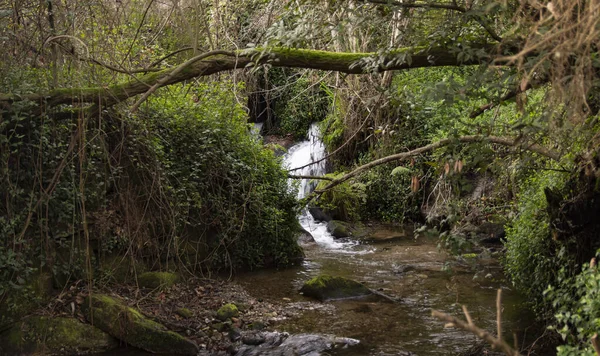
(300,155)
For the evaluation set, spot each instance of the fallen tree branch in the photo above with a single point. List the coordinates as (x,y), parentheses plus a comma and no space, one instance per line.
(351,63)
(174,73)
(504,141)
(480,333)
(496,342)
(293,176)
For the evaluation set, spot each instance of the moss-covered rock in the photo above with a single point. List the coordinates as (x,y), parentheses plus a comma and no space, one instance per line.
(184,313)
(131,326)
(227,311)
(325,287)
(338,229)
(157,279)
(42,335)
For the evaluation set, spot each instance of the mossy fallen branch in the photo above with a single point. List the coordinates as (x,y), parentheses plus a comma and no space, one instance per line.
(219,61)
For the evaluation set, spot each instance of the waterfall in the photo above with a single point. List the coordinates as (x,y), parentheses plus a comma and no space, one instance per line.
(299,155)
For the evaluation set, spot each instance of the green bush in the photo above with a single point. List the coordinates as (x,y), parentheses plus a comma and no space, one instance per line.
(577,304)
(299,104)
(343,201)
(221,180)
(388,196)
(531,253)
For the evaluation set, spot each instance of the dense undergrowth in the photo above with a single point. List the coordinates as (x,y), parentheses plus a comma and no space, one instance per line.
(180,185)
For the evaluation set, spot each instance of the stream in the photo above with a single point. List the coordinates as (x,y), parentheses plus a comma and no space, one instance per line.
(392,260)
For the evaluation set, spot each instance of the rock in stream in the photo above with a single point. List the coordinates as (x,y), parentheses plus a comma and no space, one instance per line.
(282,344)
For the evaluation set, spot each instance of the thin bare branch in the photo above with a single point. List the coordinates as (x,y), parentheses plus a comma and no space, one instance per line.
(499,314)
(504,141)
(293,176)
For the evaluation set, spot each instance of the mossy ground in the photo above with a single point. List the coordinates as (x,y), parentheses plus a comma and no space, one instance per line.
(157,279)
(44,335)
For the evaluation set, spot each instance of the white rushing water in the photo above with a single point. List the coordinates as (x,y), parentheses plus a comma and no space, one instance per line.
(299,155)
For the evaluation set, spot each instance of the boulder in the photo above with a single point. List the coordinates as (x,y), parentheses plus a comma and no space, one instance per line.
(318,214)
(325,287)
(305,237)
(338,229)
(156,280)
(129,325)
(44,335)
(227,311)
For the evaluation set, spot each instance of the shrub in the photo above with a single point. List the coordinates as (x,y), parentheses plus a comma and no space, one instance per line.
(220,180)
(577,304)
(531,253)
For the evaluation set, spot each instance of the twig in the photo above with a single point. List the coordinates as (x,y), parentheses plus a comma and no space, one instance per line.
(293,176)
(595,344)
(496,342)
(505,141)
(480,333)
(499,313)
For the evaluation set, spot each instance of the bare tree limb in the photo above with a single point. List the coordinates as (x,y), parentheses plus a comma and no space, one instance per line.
(507,96)
(504,141)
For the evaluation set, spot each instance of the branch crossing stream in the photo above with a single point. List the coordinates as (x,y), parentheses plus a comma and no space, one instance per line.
(392,260)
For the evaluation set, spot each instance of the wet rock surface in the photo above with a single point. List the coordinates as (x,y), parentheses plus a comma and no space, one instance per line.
(305,238)
(284,344)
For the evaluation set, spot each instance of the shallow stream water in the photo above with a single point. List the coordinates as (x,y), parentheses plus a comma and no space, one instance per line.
(391,260)
(415,271)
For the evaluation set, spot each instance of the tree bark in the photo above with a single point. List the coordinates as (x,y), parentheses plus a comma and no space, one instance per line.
(351,63)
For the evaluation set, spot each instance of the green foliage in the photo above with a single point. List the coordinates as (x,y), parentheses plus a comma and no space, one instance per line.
(388,196)
(299,103)
(577,304)
(531,254)
(221,180)
(344,200)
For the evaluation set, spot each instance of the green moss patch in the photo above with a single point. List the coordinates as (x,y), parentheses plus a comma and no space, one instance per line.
(43,335)
(157,280)
(227,311)
(184,313)
(129,325)
(325,287)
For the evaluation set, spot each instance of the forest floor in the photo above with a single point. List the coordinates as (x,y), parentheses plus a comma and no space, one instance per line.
(190,308)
